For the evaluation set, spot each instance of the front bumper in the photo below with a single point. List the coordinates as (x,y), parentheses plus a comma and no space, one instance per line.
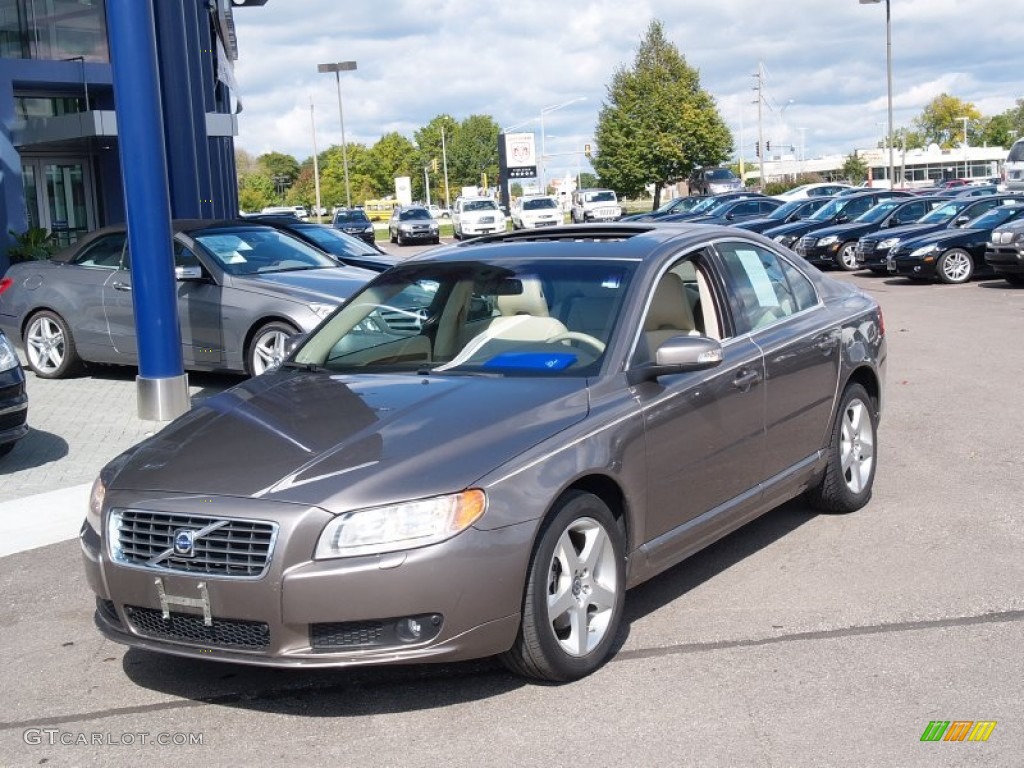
(1005,259)
(13,406)
(303,612)
(916,267)
(418,234)
(816,254)
(870,256)
(367,237)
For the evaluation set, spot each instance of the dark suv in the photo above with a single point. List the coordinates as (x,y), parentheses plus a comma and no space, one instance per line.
(714,181)
(355,222)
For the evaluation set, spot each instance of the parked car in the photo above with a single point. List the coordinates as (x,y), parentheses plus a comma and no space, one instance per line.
(714,181)
(817,189)
(736,211)
(595,205)
(1004,253)
(952,255)
(873,250)
(840,209)
(355,222)
(411,223)
(710,203)
(243,288)
(438,212)
(581,409)
(345,249)
(13,397)
(533,211)
(836,246)
(675,205)
(298,211)
(795,210)
(475,216)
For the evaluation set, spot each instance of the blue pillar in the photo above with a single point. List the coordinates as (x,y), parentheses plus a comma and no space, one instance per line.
(161,385)
(197,34)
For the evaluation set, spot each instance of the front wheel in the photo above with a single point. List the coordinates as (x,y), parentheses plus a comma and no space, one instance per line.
(850,472)
(267,348)
(955,266)
(49,346)
(574,593)
(847,259)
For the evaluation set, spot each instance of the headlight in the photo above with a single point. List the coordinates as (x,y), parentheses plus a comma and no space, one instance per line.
(321,310)
(368,228)
(924,250)
(8,357)
(890,242)
(405,227)
(95,511)
(829,240)
(786,240)
(400,526)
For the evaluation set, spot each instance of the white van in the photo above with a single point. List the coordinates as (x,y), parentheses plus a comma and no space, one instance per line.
(1013,169)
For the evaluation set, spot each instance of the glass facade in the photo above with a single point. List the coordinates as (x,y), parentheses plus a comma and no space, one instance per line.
(53,29)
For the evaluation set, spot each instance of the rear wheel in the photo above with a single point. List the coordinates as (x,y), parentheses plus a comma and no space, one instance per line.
(267,348)
(574,593)
(49,346)
(847,257)
(850,472)
(955,266)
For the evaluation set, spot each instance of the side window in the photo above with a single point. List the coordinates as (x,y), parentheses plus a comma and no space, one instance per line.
(764,288)
(857,207)
(104,252)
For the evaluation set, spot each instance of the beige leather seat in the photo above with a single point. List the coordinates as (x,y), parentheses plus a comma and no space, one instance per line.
(670,314)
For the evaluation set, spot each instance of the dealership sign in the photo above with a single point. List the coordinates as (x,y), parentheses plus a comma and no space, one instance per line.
(520,155)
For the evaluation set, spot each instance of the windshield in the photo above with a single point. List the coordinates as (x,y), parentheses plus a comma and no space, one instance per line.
(539,204)
(533,318)
(333,241)
(600,197)
(479,205)
(784,211)
(879,212)
(259,250)
(943,214)
(351,217)
(995,217)
(707,204)
(719,174)
(414,214)
(830,210)
(1016,152)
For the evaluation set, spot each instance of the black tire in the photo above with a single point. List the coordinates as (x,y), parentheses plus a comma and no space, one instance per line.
(437,240)
(391,237)
(50,347)
(854,431)
(6,448)
(401,240)
(954,267)
(259,355)
(878,270)
(846,258)
(540,649)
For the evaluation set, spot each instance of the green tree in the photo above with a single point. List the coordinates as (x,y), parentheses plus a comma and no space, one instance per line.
(394,155)
(588,180)
(473,152)
(255,192)
(855,169)
(277,165)
(429,147)
(1003,129)
(658,124)
(941,121)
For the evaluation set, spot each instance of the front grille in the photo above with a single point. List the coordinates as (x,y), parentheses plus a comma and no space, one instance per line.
(188,628)
(348,634)
(866,247)
(807,242)
(239,548)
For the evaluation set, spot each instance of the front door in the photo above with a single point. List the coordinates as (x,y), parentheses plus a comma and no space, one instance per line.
(59,196)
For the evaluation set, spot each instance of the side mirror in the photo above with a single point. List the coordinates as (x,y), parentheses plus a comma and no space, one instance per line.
(190,274)
(730,216)
(961,220)
(679,354)
(842,218)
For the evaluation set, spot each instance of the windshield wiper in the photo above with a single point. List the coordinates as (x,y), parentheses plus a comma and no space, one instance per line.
(311,367)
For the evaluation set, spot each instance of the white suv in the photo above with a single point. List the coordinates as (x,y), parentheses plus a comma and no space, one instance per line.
(595,205)
(473,216)
(533,211)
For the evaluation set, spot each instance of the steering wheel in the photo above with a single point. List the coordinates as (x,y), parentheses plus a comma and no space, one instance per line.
(586,338)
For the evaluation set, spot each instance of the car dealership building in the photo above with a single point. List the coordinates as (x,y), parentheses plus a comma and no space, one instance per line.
(59,164)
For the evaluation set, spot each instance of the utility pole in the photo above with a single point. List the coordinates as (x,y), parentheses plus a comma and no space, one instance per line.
(759,75)
(316,162)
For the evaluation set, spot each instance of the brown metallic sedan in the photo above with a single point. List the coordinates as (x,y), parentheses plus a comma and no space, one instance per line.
(481,451)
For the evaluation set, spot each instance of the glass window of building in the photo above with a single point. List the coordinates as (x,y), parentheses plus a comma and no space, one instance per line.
(53,29)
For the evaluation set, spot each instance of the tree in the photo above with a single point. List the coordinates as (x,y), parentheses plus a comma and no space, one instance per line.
(941,121)
(589,181)
(428,142)
(855,169)
(658,124)
(473,152)
(394,155)
(255,192)
(278,164)
(1003,129)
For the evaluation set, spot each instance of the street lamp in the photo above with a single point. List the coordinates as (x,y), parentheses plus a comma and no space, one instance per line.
(888,75)
(543,153)
(338,67)
(444,160)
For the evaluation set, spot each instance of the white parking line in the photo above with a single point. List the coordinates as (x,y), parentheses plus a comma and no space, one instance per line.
(46,518)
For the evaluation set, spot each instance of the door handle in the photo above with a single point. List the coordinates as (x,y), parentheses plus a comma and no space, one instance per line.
(746,379)
(117,285)
(826,343)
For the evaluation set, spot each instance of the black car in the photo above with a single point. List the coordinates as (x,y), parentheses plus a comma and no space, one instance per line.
(787,213)
(952,256)
(675,205)
(355,222)
(840,209)
(738,210)
(837,246)
(708,205)
(413,222)
(873,250)
(1005,252)
(344,248)
(13,398)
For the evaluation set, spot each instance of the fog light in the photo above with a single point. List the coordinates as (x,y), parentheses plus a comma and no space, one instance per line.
(416,629)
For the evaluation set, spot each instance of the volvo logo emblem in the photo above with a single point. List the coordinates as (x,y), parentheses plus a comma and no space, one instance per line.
(184,543)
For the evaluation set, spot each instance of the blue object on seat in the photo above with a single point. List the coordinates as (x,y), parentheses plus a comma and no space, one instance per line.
(531,361)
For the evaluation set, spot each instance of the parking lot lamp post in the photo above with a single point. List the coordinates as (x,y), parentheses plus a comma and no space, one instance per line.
(543,153)
(966,156)
(338,67)
(316,162)
(444,161)
(888,76)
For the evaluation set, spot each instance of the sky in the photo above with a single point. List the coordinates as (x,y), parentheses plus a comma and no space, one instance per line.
(824,63)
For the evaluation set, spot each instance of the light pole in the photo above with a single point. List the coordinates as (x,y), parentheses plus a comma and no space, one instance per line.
(444,160)
(338,67)
(543,158)
(966,158)
(316,162)
(888,77)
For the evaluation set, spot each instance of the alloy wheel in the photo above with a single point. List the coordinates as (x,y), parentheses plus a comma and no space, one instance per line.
(857,447)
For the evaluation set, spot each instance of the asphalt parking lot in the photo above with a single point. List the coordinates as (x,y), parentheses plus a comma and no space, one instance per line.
(800,640)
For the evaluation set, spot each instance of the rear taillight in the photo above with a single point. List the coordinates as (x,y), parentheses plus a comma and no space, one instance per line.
(5,283)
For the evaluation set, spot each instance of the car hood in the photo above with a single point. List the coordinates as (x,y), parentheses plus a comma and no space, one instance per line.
(854,228)
(909,231)
(947,237)
(797,228)
(347,441)
(329,284)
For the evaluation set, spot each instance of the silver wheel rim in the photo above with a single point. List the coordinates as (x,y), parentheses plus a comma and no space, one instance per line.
(956,266)
(848,255)
(582,587)
(858,446)
(268,351)
(45,345)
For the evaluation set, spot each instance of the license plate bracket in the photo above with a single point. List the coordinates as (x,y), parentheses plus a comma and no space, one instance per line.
(166,601)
